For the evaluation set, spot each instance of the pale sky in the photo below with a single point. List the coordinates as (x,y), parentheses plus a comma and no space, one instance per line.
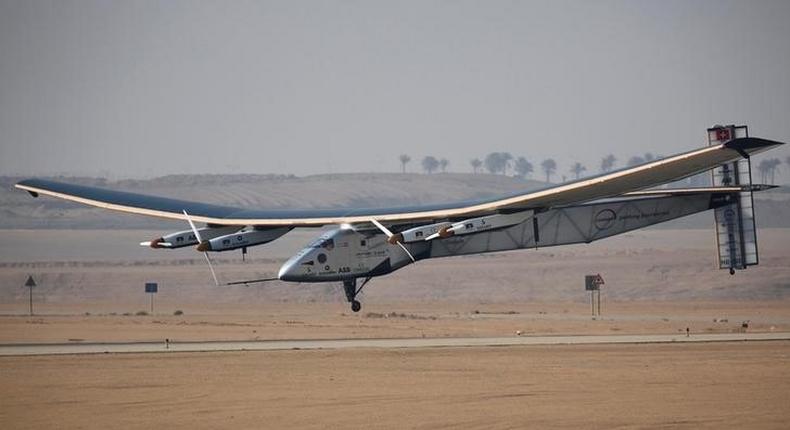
(143,88)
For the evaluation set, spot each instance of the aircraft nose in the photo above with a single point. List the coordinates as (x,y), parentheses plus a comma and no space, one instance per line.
(286,272)
(294,269)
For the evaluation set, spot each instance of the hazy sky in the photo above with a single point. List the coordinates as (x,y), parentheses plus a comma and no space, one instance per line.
(141,88)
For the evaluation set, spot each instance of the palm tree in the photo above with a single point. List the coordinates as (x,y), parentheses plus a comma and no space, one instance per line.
(443,164)
(496,162)
(404,160)
(507,158)
(577,169)
(429,164)
(773,164)
(492,163)
(767,168)
(549,166)
(607,163)
(476,163)
(522,167)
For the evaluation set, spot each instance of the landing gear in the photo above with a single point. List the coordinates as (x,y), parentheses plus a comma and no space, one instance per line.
(351,290)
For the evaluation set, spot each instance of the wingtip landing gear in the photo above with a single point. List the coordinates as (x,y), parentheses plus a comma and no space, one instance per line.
(351,290)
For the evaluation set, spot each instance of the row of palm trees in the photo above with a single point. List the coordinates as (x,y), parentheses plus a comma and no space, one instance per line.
(767,169)
(430,163)
(501,163)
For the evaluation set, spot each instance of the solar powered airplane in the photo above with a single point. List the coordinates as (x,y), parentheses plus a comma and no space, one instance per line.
(366,243)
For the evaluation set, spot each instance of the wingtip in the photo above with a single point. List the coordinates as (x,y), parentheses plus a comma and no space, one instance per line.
(23,185)
(762,187)
(751,145)
(29,182)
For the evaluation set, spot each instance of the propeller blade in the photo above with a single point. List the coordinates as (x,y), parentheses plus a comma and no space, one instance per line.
(389,234)
(200,241)
(443,232)
(213,274)
(381,227)
(407,252)
(192,226)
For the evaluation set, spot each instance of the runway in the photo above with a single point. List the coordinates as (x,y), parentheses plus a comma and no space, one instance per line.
(277,345)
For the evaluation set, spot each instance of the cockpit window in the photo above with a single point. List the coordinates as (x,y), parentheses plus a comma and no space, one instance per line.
(328,244)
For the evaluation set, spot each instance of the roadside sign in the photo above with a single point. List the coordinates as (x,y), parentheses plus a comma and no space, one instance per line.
(593,282)
(30,283)
(151,288)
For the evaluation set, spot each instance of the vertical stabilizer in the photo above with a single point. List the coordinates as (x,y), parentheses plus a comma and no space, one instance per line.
(736,233)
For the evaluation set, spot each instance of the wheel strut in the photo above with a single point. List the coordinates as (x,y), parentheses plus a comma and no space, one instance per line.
(351,290)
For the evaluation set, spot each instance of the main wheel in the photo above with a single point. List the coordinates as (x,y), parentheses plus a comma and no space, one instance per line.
(356,306)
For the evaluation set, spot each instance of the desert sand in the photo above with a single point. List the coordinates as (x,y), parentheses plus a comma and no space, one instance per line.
(732,385)
(396,320)
(657,281)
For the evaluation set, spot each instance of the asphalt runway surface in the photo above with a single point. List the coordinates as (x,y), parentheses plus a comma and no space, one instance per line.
(275,345)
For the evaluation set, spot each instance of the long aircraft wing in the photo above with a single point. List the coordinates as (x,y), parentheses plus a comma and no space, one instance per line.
(602,186)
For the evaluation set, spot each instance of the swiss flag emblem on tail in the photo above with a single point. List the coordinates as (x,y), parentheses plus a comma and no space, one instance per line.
(722,134)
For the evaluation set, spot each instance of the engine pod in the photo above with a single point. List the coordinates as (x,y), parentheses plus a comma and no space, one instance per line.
(244,239)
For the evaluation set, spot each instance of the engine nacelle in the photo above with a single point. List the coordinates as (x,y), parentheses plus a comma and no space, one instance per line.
(418,234)
(242,239)
(184,238)
(481,224)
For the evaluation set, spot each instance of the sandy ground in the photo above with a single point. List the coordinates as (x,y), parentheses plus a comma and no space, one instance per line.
(732,385)
(653,265)
(389,320)
(657,281)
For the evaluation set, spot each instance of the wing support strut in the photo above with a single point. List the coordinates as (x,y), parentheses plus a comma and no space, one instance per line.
(251,281)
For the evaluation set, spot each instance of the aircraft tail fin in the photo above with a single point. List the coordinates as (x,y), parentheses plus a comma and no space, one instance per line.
(736,229)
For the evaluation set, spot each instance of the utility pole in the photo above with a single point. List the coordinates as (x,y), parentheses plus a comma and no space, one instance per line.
(30,284)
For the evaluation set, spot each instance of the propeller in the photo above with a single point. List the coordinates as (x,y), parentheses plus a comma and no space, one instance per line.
(443,232)
(393,238)
(200,242)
